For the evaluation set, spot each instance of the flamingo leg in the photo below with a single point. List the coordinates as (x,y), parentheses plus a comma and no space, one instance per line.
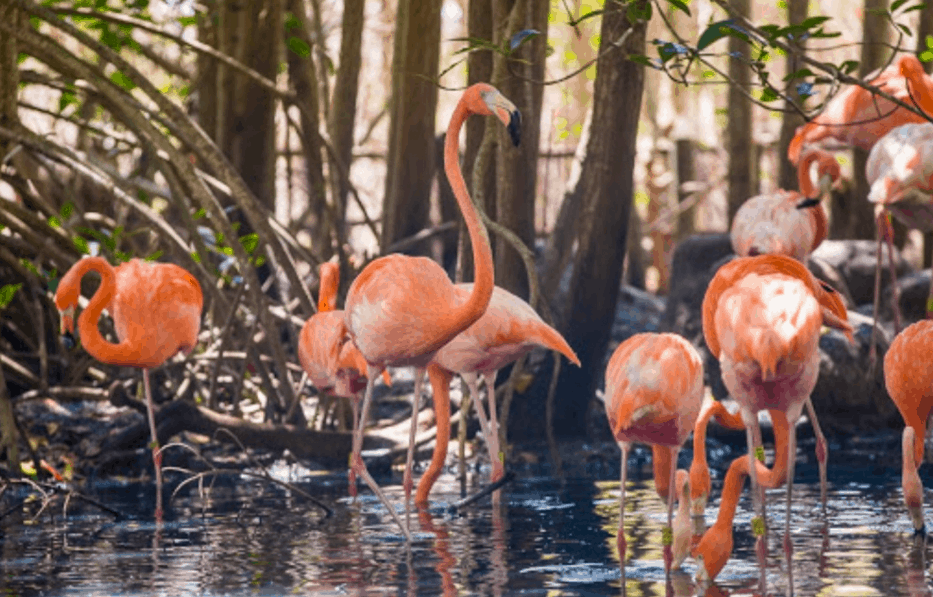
(357,464)
(759,523)
(895,291)
(409,459)
(669,530)
(793,415)
(620,538)
(822,450)
(498,464)
(876,302)
(351,474)
(156,452)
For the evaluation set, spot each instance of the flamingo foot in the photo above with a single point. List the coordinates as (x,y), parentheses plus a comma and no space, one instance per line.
(620,543)
(668,557)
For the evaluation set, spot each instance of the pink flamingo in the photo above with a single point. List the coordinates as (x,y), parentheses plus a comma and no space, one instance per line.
(787,222)
(332,362)
(509,329)
(762,316)
(156,310)
(858,118)
(699,468)
(654,390)
(401,310)
(908,377)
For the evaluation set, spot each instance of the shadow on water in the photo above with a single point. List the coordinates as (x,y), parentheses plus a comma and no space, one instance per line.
(546,537)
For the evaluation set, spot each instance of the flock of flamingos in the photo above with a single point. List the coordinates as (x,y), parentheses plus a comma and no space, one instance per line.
(762,318)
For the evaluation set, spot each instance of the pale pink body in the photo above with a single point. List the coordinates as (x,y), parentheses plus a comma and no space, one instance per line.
(775,222)
(857,118)
(653,395)
(507,330)
(900,171)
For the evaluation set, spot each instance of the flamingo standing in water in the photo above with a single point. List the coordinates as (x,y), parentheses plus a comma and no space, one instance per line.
(401,310)
(509,329)
(654,390)
(787,222)
(156,310)
(715,546)
(333,363)
(762,317)
(900,171)
(859,118)
(908,377)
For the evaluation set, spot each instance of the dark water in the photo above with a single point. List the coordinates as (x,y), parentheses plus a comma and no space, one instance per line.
(547,537)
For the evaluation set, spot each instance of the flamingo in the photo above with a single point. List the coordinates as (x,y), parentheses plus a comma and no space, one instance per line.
(156,310)
(908,377)
(787,222)
(332,362)
(900,171)
(401,310)
(859,118)
(762,317)
(715,546)
(509,329)
(654,390)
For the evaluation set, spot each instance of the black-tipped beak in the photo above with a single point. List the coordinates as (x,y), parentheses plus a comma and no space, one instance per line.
(68,340)
(808,203)
(515,127)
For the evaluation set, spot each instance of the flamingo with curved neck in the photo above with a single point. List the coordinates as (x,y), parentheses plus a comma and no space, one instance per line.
(156,310)
(909,380)
(401,310)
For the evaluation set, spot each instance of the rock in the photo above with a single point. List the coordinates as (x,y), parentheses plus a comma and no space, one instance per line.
(849,394)
(914,289)
(855,260)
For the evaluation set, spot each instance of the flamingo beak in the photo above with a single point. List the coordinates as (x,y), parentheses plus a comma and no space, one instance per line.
(67,320)
(507,113)
(808,202)
(514,127)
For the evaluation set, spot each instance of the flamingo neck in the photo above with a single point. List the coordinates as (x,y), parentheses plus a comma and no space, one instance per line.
(94,343)
(918,83)
(464,315)
(804,180)
(731,492)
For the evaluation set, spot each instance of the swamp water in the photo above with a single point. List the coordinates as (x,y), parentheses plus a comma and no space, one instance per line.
(547,537)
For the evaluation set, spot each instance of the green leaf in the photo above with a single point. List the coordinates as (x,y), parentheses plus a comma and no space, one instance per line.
(642,60)
(260,259)
(680,5)
(768,95)
(199,214)
(249,242)
(589,15)
(799,74)
(67,209)
(714,33)
(196,257)
(926,56)
(81,244)
(812,22)
(54,222)
(28,265)
(929,41)
(66,99)
(122,81)
(897,4)
(291,22)
(155,255)
(227,251)
(638,12)
(110,39)
(7,292)
(187,21)
(299,46)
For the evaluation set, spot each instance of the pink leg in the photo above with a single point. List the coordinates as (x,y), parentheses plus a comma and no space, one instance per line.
(156,452)
(415,408)
(620,538)
(822,450)
(895,291)
(351,474)
(357,464)
(872,351)
(791,461)
(669,530)
(498,466)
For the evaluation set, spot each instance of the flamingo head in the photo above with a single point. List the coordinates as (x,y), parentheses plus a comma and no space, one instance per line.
(834,310)
(487,100)
(712,553)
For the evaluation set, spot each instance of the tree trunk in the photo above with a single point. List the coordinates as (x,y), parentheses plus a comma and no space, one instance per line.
(739,132)
(303,77)
(787,174)
(410,161)
(607,190)
(861,219)
(343,113)
(517,169)
(479,69)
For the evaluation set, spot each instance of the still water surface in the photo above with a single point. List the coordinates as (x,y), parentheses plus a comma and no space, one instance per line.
(547,537)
